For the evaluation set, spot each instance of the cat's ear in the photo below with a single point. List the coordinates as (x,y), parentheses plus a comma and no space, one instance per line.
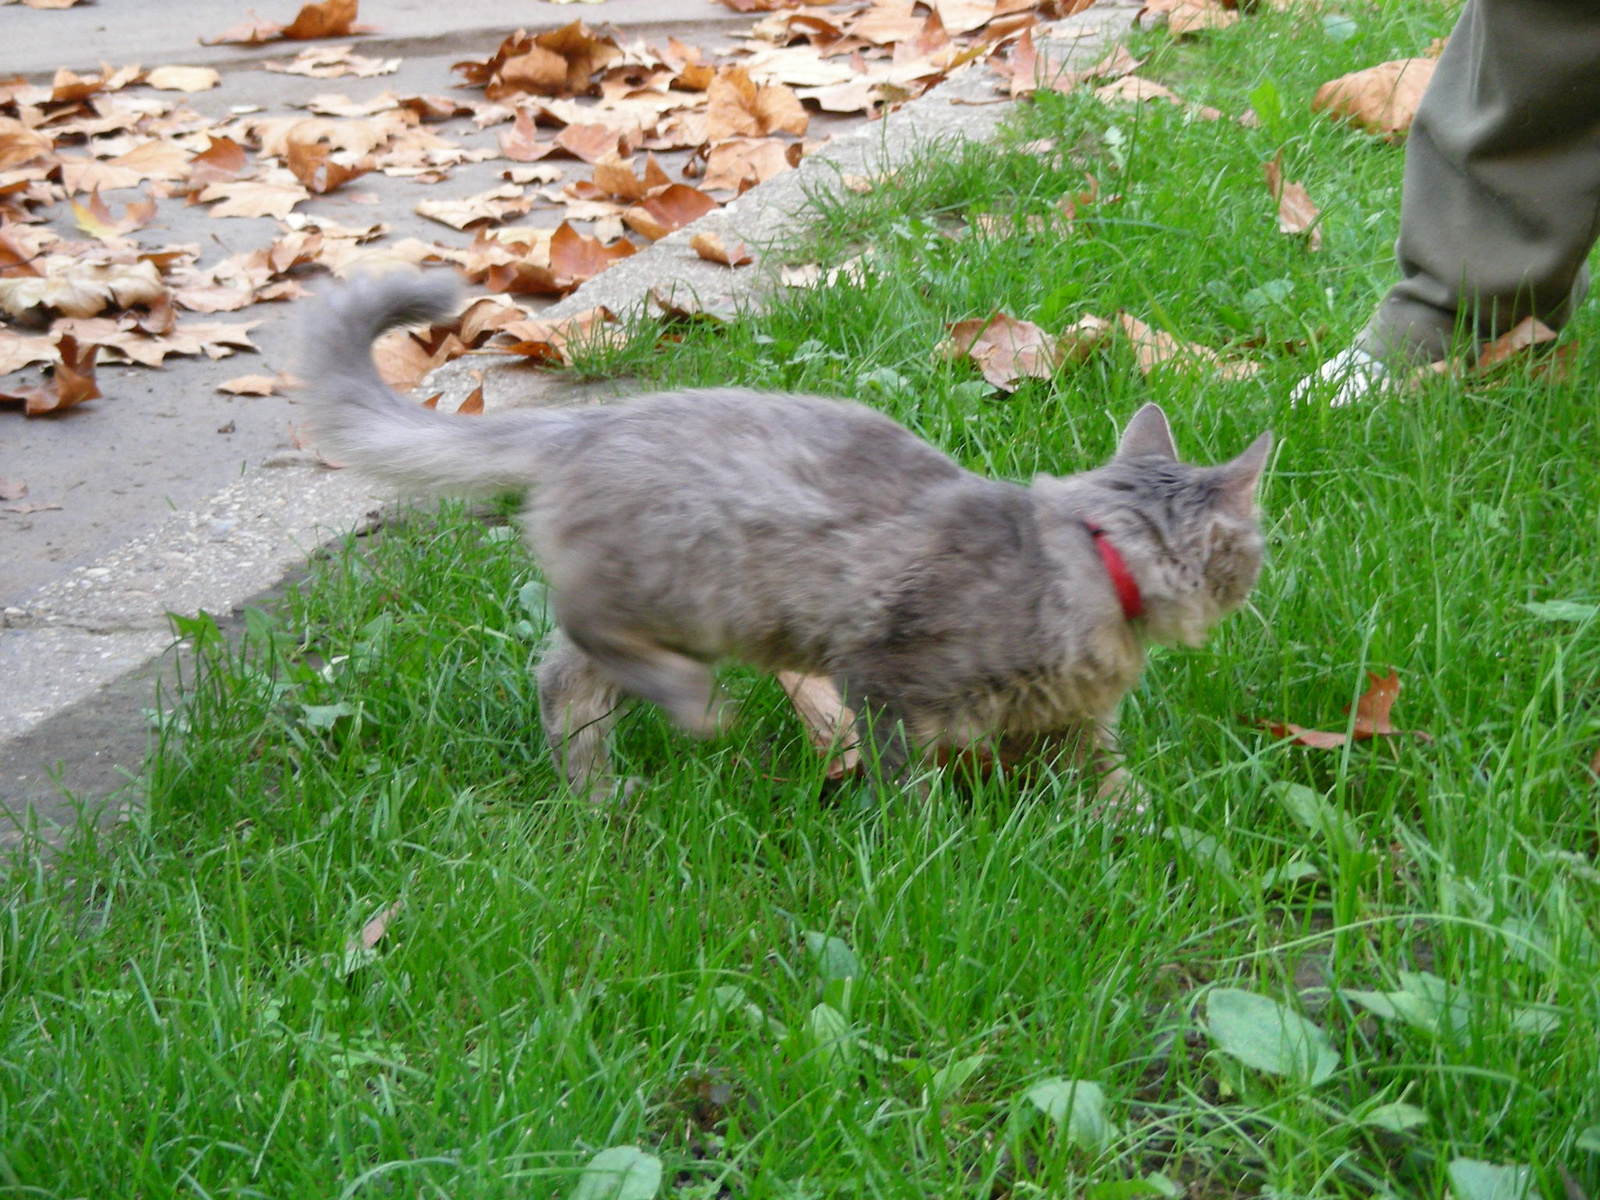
(1147,433)
(1241,476)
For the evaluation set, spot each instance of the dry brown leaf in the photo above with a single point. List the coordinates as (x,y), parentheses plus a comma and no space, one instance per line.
(122,338)
(221,160)
(559,62)
(676,303)
(253,198)
(1189,17)
(247,33)
(550,341)
(829,722)
(710,247)
(594,141)
(671,208)
(1155,348)
(182,79)
(157,159)
(76,287)
(615,177)
(485,317)
(740,163)
(1296,213)
(1135,89)
(20,144)
(1515,343)
(736,106)
(251,385)
(1372,719)
(334,62)
(1006,350)
(800,275)
(71,383)
(404,357)
(18,350)
(95,217)
(336,104)
(324,19)
(489,207)
(312,164)
(1381,99)
(574,259)
(472,404)
(521,142)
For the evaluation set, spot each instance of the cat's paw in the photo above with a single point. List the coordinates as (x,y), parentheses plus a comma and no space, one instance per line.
(1122,799)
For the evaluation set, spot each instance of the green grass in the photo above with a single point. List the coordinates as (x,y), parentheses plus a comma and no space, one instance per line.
(180,1012)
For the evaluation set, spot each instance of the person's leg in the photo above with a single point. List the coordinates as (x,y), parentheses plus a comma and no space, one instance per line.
(1502,180)
(1501,199)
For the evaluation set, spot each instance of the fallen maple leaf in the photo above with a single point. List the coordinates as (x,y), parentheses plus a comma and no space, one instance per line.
(19,350)
(560,61)
(1372,719)
(1135,89)
(20,144)
(326,18)
(182,79)
(72,383)
(311,164)
(1296,213)
(738,164)
(404,357)
(221,160)
(247,33)
(671,208)
(81,287)
(554,341)
(1189,17)
(250,385)
(335,62)
(710,247)
(95,218)
(614,177)
(521,142)
(1521,338)
(1005,349)
(1381,99)
(736,106)
(1155,347)
(488,208)
(253,197)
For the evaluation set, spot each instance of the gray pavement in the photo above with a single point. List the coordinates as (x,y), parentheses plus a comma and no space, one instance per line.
(176,498)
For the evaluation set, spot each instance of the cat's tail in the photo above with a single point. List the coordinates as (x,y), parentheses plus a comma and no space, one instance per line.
(358,420)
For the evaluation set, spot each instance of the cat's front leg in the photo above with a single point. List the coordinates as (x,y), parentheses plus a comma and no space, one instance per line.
(1120,796)
(578,707)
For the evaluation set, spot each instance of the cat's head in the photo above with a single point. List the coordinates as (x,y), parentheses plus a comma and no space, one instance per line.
(1191,535)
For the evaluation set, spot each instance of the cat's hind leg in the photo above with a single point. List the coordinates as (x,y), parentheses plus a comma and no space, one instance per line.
(684,687)
(578,707)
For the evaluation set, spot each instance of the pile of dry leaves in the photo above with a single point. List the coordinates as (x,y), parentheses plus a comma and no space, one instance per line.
(99,293)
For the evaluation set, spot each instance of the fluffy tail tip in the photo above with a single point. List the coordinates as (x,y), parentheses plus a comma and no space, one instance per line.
(357,311)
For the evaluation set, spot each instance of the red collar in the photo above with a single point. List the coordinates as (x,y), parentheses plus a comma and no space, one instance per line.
(1117,568)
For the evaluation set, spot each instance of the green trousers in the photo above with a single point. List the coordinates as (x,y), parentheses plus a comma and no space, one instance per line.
(1501,200)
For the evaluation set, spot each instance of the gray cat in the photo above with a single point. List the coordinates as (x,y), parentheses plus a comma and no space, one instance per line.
(801,534)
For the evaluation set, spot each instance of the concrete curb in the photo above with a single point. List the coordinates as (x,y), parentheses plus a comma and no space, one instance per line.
(84,649)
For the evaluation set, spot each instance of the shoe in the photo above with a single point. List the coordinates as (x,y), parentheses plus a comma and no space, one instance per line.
(1353,374)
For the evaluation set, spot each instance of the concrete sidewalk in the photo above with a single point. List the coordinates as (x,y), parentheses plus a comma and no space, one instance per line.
(85,645)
